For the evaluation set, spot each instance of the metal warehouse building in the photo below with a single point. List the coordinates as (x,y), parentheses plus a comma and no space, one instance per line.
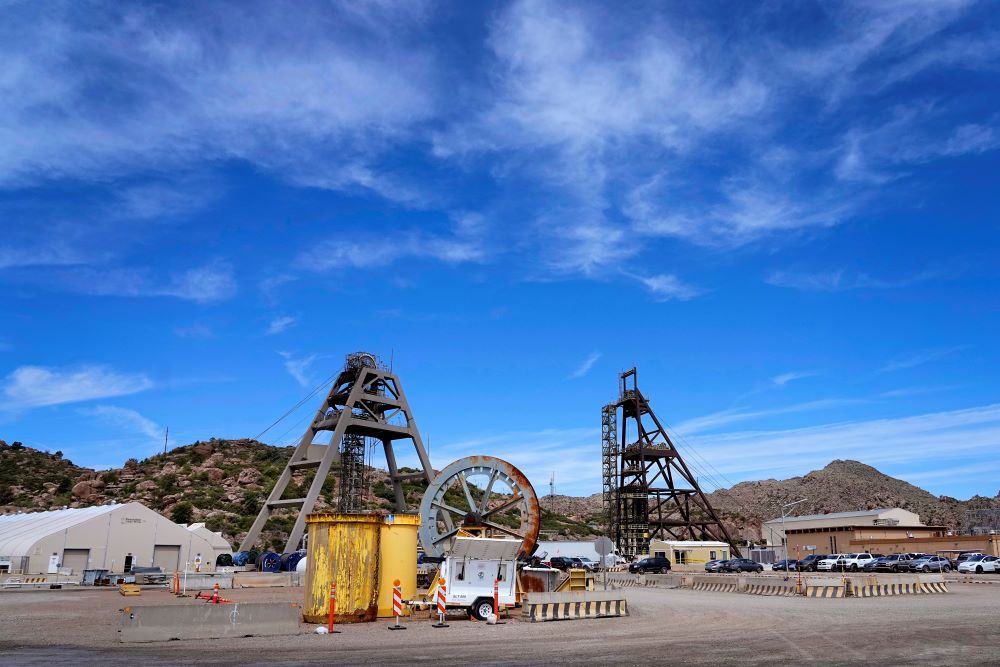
(107,537)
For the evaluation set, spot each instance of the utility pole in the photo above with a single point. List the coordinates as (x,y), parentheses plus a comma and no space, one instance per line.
(552,492)
(166,438)
(784,537)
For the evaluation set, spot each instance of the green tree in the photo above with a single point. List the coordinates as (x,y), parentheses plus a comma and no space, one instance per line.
(183,512)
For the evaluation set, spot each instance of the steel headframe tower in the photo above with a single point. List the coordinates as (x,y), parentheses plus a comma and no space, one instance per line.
(365,402)
(649,491)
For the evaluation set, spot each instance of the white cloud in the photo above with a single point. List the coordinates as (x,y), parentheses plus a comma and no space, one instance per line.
(126,419)
(840,280)
(38,386)
(920,358)
(281,323)
(905,444)
(206,284)
(214,282)
(784,378)
(299,367)
(585,367)
(712,421)
(223,86)
(196,330)
(343,254)
(666,287)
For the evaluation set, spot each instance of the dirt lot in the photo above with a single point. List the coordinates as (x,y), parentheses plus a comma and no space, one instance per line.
(666,625)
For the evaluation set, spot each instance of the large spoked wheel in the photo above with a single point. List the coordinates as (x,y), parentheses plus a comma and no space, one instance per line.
(483,494)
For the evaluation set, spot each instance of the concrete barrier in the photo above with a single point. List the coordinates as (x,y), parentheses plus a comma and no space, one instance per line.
(771,589)
(208,621)
(570,606)
(267,579)
(713,583)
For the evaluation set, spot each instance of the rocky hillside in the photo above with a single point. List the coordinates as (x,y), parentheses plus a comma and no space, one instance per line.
(842,486)
(223,482)
(220,482)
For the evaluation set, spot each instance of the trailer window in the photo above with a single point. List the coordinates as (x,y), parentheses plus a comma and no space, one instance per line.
(460,571)
(501,569)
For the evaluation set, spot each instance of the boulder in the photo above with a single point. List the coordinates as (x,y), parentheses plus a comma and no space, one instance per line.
(86,491)
(204,448)
(249,476)
(147,485)
(215,474)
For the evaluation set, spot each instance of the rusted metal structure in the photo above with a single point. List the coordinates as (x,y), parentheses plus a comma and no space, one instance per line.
(365,402)
(500,503)
(649,492)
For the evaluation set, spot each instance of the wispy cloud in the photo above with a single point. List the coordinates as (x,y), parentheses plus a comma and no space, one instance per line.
(38,386)
(300,367)
(920,358)
(281,323)
(206,284)
(127,419)
(585,367)
(785,378)
(667,287)
(842,280)
(346,254)
(733,416)
(905,445)
(196,330)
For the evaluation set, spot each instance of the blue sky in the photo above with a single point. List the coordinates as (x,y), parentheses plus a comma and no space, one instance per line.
(785,216)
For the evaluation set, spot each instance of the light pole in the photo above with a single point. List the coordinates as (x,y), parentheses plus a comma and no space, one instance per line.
(784,537)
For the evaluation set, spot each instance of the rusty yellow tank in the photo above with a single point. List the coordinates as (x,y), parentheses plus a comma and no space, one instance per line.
(398,551)
(363,553)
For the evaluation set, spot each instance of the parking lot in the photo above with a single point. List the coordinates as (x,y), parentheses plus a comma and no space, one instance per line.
(79,627)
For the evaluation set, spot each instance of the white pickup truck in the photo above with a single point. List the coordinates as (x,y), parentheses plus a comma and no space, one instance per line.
(853,562)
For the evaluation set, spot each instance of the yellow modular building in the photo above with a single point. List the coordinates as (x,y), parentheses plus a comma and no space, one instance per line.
(106,537)
(689,551)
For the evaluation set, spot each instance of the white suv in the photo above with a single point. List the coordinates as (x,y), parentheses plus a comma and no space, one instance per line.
(853,562)
(828,563)
(978,564)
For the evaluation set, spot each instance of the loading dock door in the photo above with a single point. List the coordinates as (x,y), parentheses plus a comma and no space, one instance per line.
(167,557)
(75,559)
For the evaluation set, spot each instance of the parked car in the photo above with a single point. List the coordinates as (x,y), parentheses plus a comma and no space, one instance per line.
(906,560)
(715,565)
(787,565)
(979,563)
(891,563)
(742,565)
(561,562)
(651,564)
(809,563)
(829,563)
(853,562)
(962,557)
(931,564)
(584,563)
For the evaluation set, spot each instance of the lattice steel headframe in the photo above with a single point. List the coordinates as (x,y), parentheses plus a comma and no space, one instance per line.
(366,402)
(654,494)
(609,467)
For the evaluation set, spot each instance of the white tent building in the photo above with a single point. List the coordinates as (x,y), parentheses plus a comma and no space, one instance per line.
(107,537)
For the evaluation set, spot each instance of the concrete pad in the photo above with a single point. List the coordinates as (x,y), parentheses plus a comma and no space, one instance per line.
(208,621)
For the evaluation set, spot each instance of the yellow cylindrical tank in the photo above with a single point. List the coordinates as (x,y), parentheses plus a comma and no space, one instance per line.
(398,560)
(345,548)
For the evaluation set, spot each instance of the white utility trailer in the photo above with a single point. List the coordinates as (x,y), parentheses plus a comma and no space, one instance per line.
(473,566)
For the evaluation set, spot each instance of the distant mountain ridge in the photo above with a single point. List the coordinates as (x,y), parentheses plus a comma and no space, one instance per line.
(223,482)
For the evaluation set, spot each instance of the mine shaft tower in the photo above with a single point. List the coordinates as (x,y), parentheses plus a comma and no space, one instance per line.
(649,492)
(365,405)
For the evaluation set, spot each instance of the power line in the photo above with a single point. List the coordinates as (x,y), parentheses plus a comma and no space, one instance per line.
(323,384)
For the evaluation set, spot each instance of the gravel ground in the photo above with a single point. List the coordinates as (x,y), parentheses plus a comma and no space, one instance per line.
(666,625)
